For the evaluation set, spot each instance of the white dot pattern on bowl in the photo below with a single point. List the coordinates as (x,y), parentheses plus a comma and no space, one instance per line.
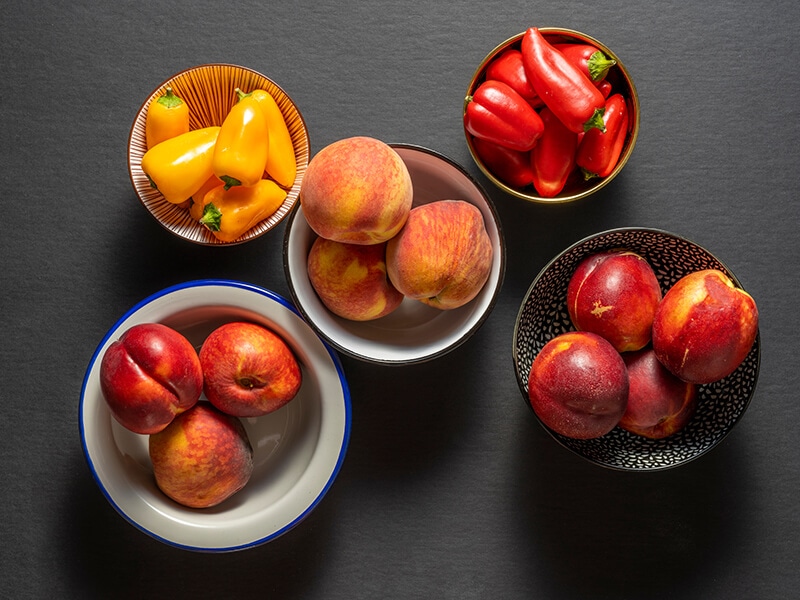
(543,315)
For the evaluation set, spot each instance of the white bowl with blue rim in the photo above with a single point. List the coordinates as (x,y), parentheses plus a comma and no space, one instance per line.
(298,449)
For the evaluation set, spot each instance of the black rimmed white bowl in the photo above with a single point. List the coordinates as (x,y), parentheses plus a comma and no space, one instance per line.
(543,315)
(414,332)
(298,449)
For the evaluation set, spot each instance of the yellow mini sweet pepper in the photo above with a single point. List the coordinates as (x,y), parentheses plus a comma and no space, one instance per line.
(230,212)
(177,167)
(167,117)
(281,162)
(240,156)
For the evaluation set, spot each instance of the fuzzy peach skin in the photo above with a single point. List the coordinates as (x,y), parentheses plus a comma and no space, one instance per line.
(704,327)
(442,256)
(148,376)
(249,370)
(356,190)
(351,279)
(659,404)
(615,294)
(578,385)
(202,458)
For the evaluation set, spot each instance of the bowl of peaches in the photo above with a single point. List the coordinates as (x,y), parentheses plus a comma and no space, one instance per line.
(395,254)
(212,417)
(637,349)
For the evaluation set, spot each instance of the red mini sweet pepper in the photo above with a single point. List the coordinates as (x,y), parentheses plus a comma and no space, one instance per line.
(495,112)
(588,58)
(598,152)
(561,85)
(512,167)
(553,158)
(508,68)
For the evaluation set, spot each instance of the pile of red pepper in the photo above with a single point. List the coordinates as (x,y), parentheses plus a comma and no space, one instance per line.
(546,112)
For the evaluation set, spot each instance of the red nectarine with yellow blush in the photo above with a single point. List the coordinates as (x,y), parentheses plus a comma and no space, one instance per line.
(148,376)
(249,370)
(442,255)
(659,404)
(356,190)
(578,385)
(202,458)
(615,294)
(351,279)
(704,327)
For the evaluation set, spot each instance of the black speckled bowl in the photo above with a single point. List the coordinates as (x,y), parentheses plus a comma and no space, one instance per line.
(543,315)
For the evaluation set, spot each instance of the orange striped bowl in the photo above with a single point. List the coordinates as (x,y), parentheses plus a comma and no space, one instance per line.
(209,92)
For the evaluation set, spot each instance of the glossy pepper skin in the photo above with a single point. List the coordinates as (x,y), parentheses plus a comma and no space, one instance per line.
(598,152)
(564,89)
(588,58)
(177,167)
(512,167)
(167,117)
(230,212)
(240,156)
(508,68)
(281,161)
(496,113)
(553,158)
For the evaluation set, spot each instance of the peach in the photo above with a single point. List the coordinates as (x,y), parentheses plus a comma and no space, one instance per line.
(442,256)
(249,370)
(202,458)
(356,190)
(578,385)
(351,279)
(659,404)
(704,327)
(615,294)
(148,376)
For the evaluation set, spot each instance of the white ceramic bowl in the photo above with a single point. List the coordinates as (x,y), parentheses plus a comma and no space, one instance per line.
(543,315)
(298,449)
(414,332)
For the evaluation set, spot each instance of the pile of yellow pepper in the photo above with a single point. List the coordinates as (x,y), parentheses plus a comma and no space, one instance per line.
(230,177)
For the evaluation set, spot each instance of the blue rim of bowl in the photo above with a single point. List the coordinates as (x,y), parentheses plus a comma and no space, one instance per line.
(467,334)
(270,295)
(519,375)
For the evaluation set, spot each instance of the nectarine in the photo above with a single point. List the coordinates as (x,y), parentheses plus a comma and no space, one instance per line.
(659,404)
(202,458)
(148,376)
(578,385)
(249,370)
(704,327)
(615,294)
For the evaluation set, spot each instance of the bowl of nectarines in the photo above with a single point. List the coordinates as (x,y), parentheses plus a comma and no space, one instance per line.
(212,417)
(551,115)
(394,254)
(637,349)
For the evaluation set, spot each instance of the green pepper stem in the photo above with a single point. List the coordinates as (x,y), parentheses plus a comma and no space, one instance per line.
(169,99)
(230,181)
(211,217)
(599,64)
(596,121)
